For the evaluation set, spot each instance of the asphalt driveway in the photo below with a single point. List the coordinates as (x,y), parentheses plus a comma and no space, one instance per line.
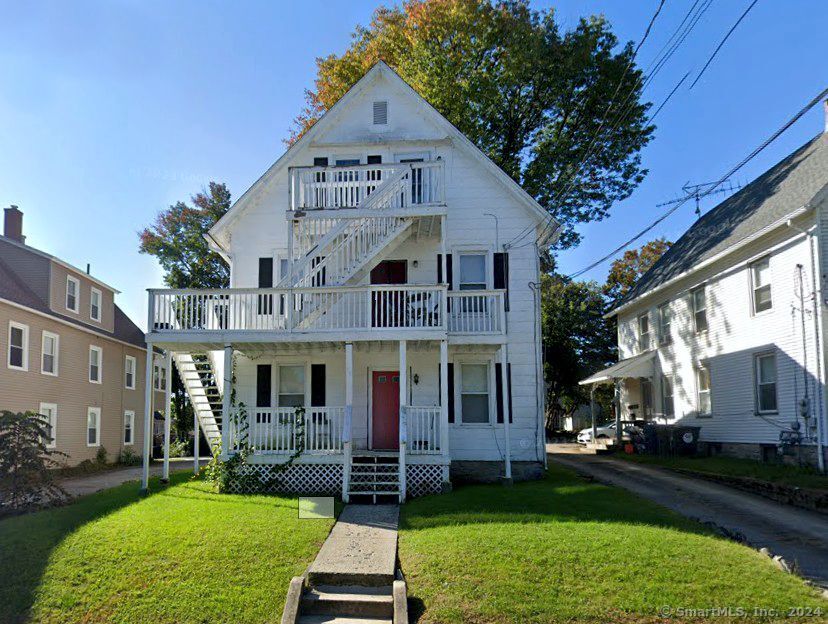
(800,536)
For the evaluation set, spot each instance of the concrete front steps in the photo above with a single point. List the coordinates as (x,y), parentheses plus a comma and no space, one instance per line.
(331,603)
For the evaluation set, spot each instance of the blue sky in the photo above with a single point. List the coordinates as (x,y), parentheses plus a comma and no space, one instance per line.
(110,111)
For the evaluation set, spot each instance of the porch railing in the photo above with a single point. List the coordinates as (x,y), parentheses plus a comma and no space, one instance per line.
(423,430)
(402,184)
(275,431)
(476,312)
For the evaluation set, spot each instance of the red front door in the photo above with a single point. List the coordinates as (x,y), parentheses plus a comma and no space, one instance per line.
(385,409)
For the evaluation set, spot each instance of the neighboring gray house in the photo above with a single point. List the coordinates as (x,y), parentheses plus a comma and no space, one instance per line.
(727,330)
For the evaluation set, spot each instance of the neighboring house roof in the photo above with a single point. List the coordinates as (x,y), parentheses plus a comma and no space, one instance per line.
(13,289)
(526,200)
(784,188)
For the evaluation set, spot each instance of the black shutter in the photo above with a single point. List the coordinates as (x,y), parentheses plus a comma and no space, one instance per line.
(439,268)
(451,392)
(320,161)
(501,274)
(374,159)
(265,302)
(317,385)
(448,274)
(263,385)
(499,391)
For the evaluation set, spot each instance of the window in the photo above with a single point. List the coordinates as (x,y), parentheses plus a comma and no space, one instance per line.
(18,346)
(95,305)
(647,398)
(380,113)
(699,300)
(129,427)
(129,372)
(72,288)
(765,366)
(93,426)
(49,413)
(474,393)
(667,407)
(95,363)
(473,271)
(703,391)
(644,332)
(292,386)
(664,323)
(760,280)
(159,377)
(49,353)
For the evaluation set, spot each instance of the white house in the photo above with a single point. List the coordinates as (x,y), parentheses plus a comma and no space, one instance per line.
(727,330)
(371,284)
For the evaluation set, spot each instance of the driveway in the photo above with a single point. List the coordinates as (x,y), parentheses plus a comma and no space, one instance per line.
(89,484)
(800,536)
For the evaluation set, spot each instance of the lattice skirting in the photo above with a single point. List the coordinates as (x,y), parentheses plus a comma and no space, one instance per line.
(422,479)
(297,479)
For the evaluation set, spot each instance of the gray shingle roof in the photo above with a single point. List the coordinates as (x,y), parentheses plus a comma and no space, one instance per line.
(785,187)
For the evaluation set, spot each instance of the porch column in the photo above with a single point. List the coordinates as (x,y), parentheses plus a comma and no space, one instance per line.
(618,432)
(592,412)
(444,424)
(403,419)
(226,418)
(346,426)
(504,384)
(148,396)
(165,473)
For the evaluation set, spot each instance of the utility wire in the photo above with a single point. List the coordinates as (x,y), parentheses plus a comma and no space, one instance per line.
(719,47)
(714,186)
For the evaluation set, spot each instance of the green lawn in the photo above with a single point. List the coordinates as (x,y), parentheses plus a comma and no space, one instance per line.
(564,549)
(733,467)
(182,554)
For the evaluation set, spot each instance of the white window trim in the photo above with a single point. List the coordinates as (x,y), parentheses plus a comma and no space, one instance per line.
(130,358)
(641,335)
(756,358)
(753,287)
(458,392)
(129,414)
(97,412)
(664,338)
(100,304)
(100,364)
(699,412)
(76,282)
(476,250)
(56,337)
(159,371)
(275,380)
(694,311)
(53,407)
(663,396)
(25,329)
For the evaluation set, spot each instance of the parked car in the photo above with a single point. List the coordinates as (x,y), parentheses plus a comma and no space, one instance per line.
(602,432)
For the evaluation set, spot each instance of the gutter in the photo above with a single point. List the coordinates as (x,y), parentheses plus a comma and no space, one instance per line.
(783,222)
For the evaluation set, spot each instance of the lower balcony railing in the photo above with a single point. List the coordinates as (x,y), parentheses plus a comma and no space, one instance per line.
(423,426)
(327,309)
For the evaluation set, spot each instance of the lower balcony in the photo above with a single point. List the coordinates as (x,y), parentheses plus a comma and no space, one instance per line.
(334,313)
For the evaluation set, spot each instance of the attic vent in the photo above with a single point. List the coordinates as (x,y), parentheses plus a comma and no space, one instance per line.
(380,113)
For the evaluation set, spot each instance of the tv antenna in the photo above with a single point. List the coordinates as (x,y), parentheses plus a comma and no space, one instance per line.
(697,191)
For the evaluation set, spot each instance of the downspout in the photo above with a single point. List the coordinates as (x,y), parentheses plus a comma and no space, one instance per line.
(818,335)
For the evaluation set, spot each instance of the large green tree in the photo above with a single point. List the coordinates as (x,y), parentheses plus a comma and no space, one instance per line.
(577,341)
(628,269)
(560,111)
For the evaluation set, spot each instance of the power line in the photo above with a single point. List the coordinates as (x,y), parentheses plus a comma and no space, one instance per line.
(713,186)
(667,99)
(719,47)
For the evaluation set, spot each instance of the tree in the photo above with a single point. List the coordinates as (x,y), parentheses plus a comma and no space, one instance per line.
(26,478)
(577,341)
(560,112)
(176,239)
(628,269)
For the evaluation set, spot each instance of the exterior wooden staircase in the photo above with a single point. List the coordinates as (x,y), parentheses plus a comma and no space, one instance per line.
(204,391)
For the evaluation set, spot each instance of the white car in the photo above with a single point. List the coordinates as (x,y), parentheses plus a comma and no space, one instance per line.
(603,432)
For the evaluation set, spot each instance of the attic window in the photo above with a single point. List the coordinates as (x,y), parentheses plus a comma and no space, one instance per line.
(380,113)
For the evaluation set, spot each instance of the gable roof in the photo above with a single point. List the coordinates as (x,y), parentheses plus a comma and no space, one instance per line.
(786,187)
(379,69)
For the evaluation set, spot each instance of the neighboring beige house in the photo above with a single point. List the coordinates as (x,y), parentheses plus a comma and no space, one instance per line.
(69,352)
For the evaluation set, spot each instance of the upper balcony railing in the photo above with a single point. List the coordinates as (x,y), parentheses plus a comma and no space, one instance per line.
(396,185)
(326,309)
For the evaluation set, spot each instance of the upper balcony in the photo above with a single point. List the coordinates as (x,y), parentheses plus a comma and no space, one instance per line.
(393,185)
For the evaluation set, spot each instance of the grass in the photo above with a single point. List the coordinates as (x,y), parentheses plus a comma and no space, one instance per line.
(734,467)
(183,554)
(564,549)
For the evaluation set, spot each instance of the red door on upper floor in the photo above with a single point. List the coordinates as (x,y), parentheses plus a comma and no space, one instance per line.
(388,307)
(385,410)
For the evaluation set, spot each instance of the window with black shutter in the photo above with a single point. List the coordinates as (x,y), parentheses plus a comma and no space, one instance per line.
(265,302)
(263,385)
(501,275)
(499,391)
(318,385)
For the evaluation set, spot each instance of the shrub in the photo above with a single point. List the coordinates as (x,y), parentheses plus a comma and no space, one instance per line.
(100,456)
(26,476)
(178,448)
(128,457)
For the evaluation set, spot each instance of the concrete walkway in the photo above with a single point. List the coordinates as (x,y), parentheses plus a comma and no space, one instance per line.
(89,484)
(361,549)
(800,536)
